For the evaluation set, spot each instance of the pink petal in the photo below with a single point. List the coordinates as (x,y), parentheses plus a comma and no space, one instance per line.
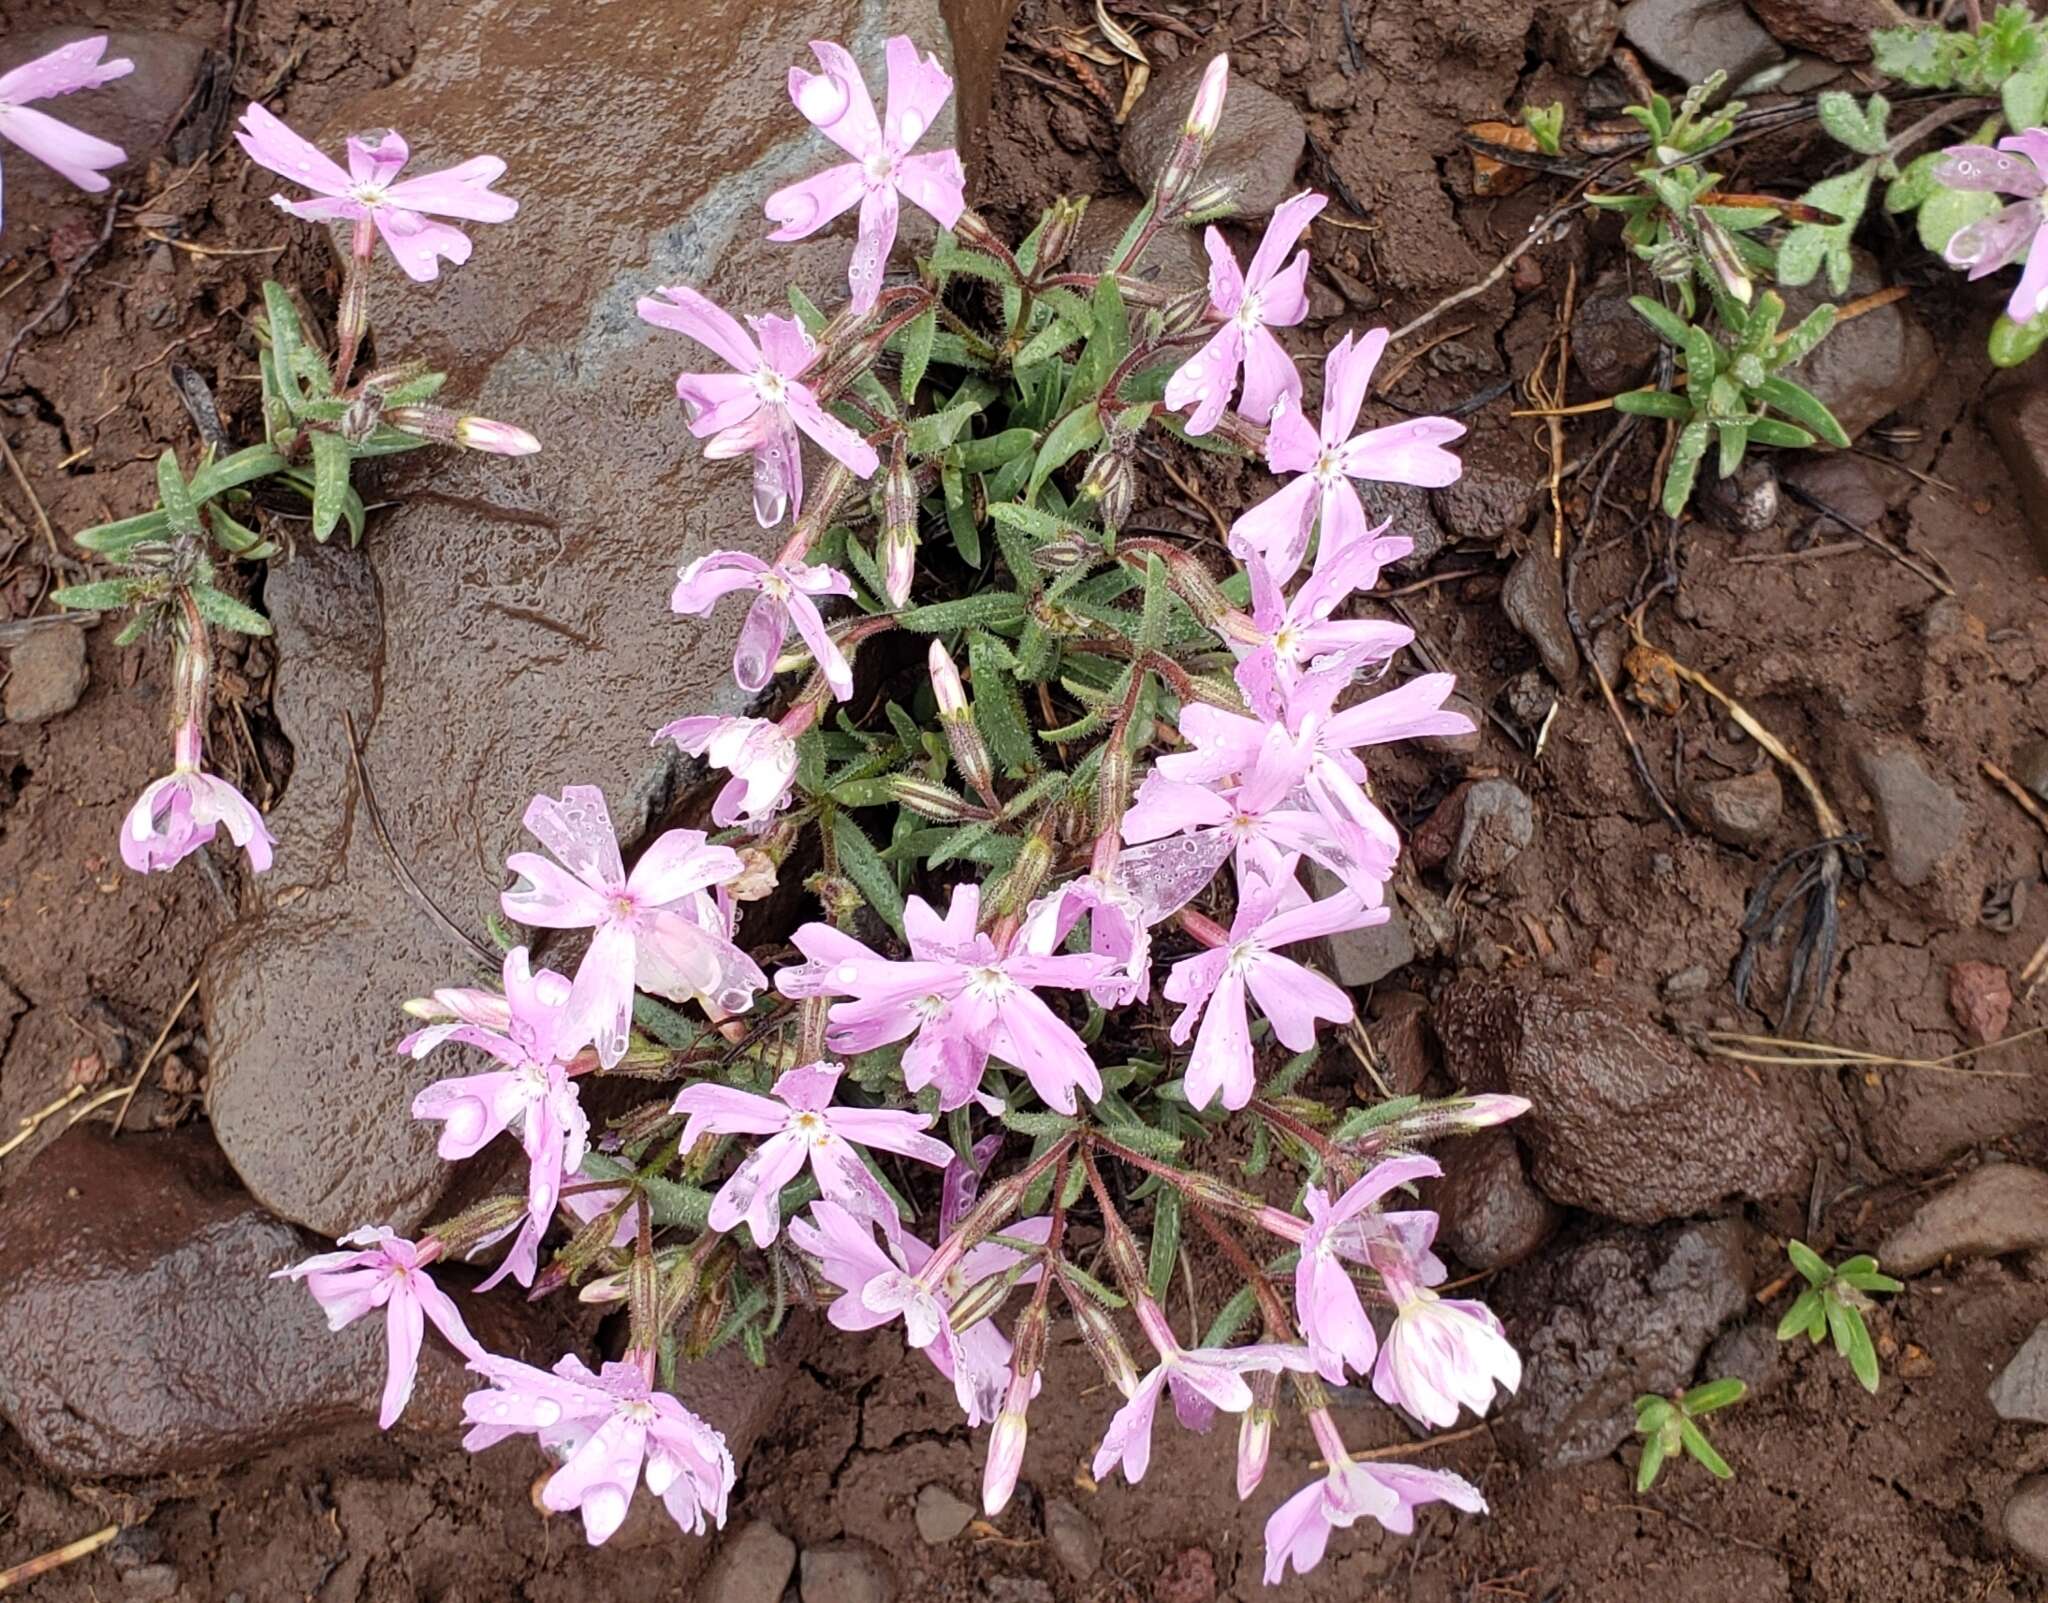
(680,861)
(472,1110)
(717,401)
(801,209)
(1226,280)
(1406,713)
(269,143)
(59,146)
(810,627)
(1129,1437)
(871,250)
(784,344)
(463,190)
(1206,379)
(918,87)
(836,438)
(886,1130)
(215,801)
(599,1477)
(934,183)
(1294,999)
(1980,168)
(809,1089)
(379,163)
(682,960)
(760,642)
(600,1009)
(1167,807)
(404,1329)
(1407,453)
(1269,376)
(1347,374)
(2030,295)
(62,71)
(726,1110)
(1297,1533)
(417,244)
(754,1192)
(1331,916)
(1292,444)
(715,574)
(1278,528)
(1289,222)
(1031,1037)
(689,313)
(551,898)
(1222,1059)
(578,830)
(835,101)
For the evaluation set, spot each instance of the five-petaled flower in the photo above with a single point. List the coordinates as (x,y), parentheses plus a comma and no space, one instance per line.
(371,192)
(79,156)
(2018,167)
(604,1430)
(784,595)
(1251,304)
(1299,1529)
(651,926)
(803,1126)
(1326,1300)
(836,102)
(758,409)
(386,1271)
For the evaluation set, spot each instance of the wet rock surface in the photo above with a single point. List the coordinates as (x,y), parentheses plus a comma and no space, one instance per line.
(942,1513)
(46,674)
(139,1332)
(1175,259)
(1497,825)
(1075,1541)
(1257,147)
(1627,1121)
(1749,1353)
(1867,369)
(1533,599)
(1694,39)
(1612,346)
(511,600)
(1980,997)
(753,1567)
(1623,1314)
(846,1572)
(1837,29)
(2025,1520)
(2021,1389)
(1742,810)
(1993,1210)
(1577,36)
(1919,818)
(1491,1215)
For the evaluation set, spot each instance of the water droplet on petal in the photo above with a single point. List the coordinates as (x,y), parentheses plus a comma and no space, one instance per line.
(822,100)
(546,1412)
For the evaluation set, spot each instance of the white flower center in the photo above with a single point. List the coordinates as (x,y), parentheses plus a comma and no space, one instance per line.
(811,1127)
(1328,468)
(880,168)
(990,982)
(1250,312)
(371,195)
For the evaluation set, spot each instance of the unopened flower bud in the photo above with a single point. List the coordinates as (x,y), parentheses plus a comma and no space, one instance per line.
(1112,485)
(972,230)
(1488,1108)
(608,1289)
(946,685)
(469,1229)
(837,895)
(1718,246)
(1185,313)
(956,717)
(1206,113)
(1112,787)
(933,801)
(1206,202)
(1057,237)
(898,555)
(1203,117)
(1255,1433)
(1005,1449)
(1027,875)
(494,438)
(980,1301)
(1099,1331)
(359,422)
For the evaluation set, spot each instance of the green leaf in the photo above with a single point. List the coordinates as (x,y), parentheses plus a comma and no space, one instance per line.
(1804,408)
(1165,1247)
(993,450)
(864,866)
(1810,1264)
(330,483)
(1684,466)
(1860,128)
(1231,1317)
(1713,1394)
(1862,1355)
(1078,431)
(998,708)
(1666,322)
(671,1202)
(227,612)
(1808,332)
(181,513)
(917,352)
(1915,184)
(1947,212)
(1653,403)
(1696,1443)
(931,434)
(101,595)
(118,538)
(1770,431)
(991,608)
(231,472)
(287,342)
(1652,1461)
(2024,96)
(1734,439)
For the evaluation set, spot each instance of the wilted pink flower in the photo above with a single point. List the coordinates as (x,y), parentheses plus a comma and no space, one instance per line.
(176,815)
(2019,167)
(962,997)
(79,156)
(1116,931)
(1440,1351)
(1202,1381)
(1409,452)
(1291,637)
(783,596)
(758,753)
(757,410)
(603,1430)
(389,1272)
(533,1087)
(836,102)
(880,1286)
(802,1127)
(372,192)
(1299,1530)
(1251,305)
(1326,1300)
(648,931)
(1213,984)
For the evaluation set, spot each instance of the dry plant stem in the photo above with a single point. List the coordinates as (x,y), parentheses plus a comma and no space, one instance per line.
(57,1558)
(448,926)
(1538,232)
(1403,1449)
(1557,393)
(149,1057)
(2018,792)
(1790,1053)
(1877,542)
(57,557)
(32,1122)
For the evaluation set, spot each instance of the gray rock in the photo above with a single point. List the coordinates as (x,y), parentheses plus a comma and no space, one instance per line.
(1577,36)
(753,1567)
(1075,1541)
(1528,697)
(1412,515)
(1492,498)
(845,1572)
(1491,1215)
(1533,599)
(1626,1313)
(1612,346)
(1694,39)
(150,1583)
(1626,1120)
(1174,260)
(1364,957)
(1837,29)
(1687,983)
(2021,1390)
(1746,502)
(2030,767)
(1458,745)
(1865,370)
(1993,1210)
(1499,824)
(1258,142)
(941,1514)
(46,674)
(495,603)
(1742,810)
(1849,485)
(1749,1353)
(2025,1520)
(2018,420)
(1919,818)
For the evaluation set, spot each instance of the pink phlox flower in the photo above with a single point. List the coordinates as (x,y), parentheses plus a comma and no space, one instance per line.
(179,813)
(77,155)
(385,1271)
(1299,1530)
(782,596)
(401,208)
(605,1431)
(1440,1352)
(758,409)
(961,1183)
(836,102)
(533,1087)
(1202,1381)
(1291,636)
(648,932)
(878,1286)
(1250,304)
(960,998)
(755,751)
(1213,986)
(1117,931)
(2018,167)
(1409,452)
(1332,1315)
(802,1126)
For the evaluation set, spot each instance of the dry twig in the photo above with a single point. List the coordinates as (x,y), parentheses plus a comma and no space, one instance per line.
(57,1558)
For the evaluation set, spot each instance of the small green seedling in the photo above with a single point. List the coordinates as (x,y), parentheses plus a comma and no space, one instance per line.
(1667,1424)
(1546,126)
(1833,1305)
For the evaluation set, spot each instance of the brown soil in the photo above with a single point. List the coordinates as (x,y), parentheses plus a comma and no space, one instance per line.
(1839,1496)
